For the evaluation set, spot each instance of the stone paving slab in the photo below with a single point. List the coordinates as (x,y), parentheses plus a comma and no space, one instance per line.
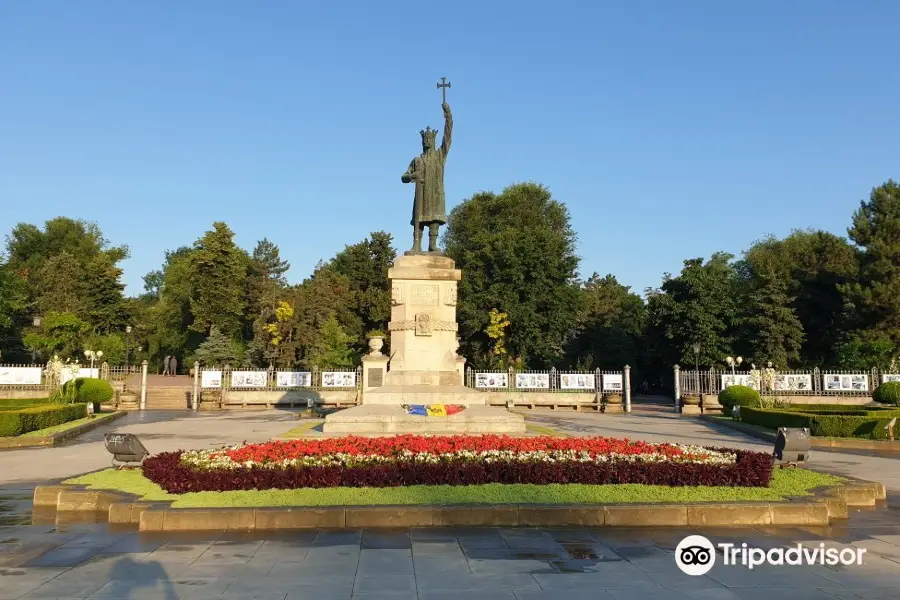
(89,561)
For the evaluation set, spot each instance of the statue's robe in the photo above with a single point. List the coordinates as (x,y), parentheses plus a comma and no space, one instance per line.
(427,170)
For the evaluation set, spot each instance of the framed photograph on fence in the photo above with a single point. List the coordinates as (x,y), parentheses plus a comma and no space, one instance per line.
(792,383)
(245,379)
(491,380)
(20,375)
(890,377)
(293,379)
(577,381)
(70,373)
(339,379)
(855,382)
(612,383)
(744,379)
(211,379)
(533,381)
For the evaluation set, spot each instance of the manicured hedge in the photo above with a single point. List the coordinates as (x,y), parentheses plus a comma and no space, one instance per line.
(17,403)
(752,469)
(17,422)
(888,393)
(836,408)
(89,389)
(740,395)
(860,424)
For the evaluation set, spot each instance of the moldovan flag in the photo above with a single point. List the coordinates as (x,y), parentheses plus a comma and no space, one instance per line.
(436,410)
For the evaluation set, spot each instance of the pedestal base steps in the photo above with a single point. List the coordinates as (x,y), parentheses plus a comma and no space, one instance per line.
(423,394)
(119,508)
(389,419)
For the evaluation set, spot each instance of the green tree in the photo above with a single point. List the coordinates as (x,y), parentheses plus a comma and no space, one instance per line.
(332,349)
(153,282)
(700,306)
(13,295)
(815,266)
(60,285)
(876,231)
(167,321)
(218,350)
(611,326)
(104,294)
(517,251)
(218,268)
(268,257)
(775,332)
(62,334)
(112,345)
(365,265)
(29,247)
(863,350)
(321,296)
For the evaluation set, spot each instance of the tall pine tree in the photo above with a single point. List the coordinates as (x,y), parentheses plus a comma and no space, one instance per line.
(876,230)
(219,268)
(776,333)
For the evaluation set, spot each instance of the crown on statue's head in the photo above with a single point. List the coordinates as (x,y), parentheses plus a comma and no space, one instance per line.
(428,134)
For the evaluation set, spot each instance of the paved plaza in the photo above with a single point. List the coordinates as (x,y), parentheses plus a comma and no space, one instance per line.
(95,561)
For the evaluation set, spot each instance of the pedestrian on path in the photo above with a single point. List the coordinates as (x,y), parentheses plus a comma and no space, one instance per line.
(173,367)
(166,365)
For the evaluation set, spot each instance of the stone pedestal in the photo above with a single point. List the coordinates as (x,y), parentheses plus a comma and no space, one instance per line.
(423,321)
(374,370)
(690,410)
(710,405)
(424,367)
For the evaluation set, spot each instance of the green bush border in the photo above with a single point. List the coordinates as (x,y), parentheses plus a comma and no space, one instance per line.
(867,424)
(17,422)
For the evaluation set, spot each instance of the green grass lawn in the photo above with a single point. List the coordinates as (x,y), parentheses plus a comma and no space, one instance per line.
(60,428)
(786,482)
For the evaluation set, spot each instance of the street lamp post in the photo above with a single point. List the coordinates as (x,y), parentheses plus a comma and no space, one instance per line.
(732,362)
(92,356)
(127,345)
(36,321)
(696,349)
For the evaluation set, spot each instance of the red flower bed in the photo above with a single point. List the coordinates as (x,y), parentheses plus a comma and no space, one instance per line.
(394,446)
(454,460)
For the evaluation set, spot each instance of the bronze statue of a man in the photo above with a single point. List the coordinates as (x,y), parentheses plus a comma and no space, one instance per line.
(427,172)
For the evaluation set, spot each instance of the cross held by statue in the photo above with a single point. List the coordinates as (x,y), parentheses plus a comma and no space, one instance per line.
(443,85)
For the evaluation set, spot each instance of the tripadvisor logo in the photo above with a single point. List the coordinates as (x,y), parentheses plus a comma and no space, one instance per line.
(696,555)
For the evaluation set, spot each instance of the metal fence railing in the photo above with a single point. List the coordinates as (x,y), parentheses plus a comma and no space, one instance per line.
(315,379)
(771,382)
(552,381)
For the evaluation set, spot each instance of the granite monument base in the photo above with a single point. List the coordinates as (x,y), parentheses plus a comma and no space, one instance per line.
(386,419)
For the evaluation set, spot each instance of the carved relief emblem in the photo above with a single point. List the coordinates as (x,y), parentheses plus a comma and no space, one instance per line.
(425,294)
(451,296)
(396,295)
(424,324)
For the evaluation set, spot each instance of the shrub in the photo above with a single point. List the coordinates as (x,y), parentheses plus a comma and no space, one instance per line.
(752,469)
(17,422)
(836,408)
(740,395)
(888,393)
(17,403)
(856,423)
(88,389)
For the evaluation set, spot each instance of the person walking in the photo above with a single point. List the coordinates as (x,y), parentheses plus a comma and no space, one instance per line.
(166,365)
(173,367)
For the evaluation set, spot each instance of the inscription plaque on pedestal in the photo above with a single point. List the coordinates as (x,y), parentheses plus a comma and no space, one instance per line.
(376,377)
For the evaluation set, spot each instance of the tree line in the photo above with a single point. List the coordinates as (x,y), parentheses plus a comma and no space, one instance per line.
(809,299)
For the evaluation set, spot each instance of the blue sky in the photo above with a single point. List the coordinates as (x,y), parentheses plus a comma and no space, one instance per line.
(670,129)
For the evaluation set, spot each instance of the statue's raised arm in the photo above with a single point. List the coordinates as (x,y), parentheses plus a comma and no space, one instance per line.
(448,130)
